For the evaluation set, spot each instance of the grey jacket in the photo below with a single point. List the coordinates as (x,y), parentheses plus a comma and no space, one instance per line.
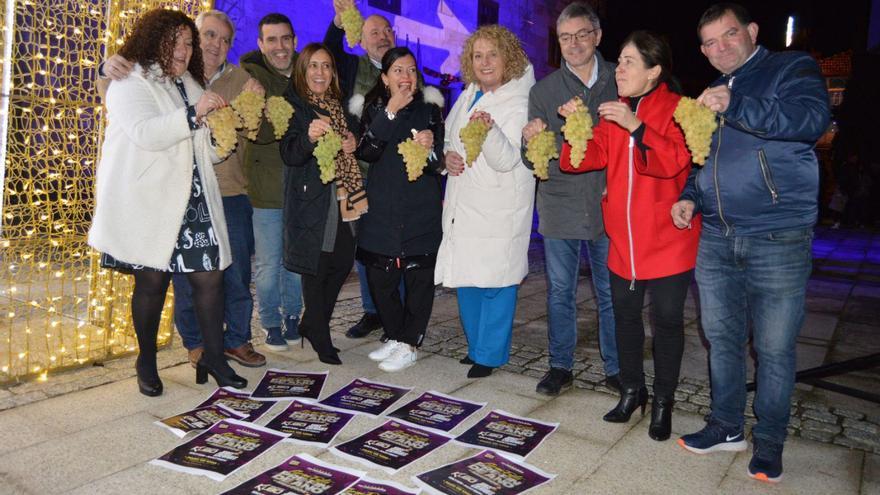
(569,204)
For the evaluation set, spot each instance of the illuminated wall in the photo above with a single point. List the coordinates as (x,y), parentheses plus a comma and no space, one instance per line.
(57,308)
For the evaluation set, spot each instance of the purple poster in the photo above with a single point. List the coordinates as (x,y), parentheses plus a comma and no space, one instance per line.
(365,397)
(221,450)
(302,474)
(239,401)
(391,446)
(310,423)
(280,384)
(436,411)
(370,486)
(503,431)
(487,473)
(199,418)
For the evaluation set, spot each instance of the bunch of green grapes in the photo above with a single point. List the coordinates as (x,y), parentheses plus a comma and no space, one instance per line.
(415,156)
(223,123)
(278,111)
(578,129)
(326,150)
(353,24)
(540,150)
(473,135)
(698,124)
(249,107)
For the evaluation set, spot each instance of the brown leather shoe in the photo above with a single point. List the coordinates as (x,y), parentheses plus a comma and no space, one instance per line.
(195,355)
(245,355)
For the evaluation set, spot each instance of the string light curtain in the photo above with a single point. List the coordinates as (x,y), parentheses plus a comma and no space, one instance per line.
(58,308)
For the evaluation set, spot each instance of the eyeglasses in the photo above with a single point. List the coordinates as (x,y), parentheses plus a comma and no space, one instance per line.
(580,36)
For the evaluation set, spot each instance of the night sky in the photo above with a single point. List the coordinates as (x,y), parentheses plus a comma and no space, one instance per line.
(825,28)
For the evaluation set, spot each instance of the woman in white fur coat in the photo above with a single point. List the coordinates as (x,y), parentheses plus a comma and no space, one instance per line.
(158,208)
(487,214)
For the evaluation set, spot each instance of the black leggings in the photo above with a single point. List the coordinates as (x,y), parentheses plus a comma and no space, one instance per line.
(146,310)
(667,313)
(404,321)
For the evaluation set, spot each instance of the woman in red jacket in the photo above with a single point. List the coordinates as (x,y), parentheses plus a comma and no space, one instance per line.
(648,164)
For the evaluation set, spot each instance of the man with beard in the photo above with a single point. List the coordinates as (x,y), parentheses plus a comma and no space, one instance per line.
(279,291)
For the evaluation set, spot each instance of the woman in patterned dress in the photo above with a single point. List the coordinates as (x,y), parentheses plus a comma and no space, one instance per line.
(158,208)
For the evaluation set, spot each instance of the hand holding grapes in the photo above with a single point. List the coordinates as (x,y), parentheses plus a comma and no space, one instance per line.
(619,113)
(254,86)
(717,98)
(317,128)
(425,138)
(208,102)
(569,107)
(533,127)
(339,6)
(485,117)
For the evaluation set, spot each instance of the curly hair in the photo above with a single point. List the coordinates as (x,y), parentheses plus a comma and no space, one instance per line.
(515,59)
(152,42)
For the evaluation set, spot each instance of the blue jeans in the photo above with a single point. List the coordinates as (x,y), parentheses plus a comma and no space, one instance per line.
(277,288)
(487,318)
(562,258)
(760,280)
(238,305)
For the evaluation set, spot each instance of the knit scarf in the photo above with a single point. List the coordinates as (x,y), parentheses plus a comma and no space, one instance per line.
(349,183)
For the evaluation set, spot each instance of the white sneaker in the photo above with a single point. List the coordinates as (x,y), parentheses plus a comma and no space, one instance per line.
(402,357)
(383,352)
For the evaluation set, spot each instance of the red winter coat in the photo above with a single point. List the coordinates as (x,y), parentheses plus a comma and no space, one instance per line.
(642,187)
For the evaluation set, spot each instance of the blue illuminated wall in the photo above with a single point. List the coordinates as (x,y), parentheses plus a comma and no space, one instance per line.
(436,29)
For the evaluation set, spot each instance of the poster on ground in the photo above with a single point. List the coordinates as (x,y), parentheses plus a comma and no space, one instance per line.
(239,401)
(302,474)
(436,411)
(502,431)
(371,486)
(487,473)
(310,424)
(362,396)
(221,450)
(197,419)
(281,384)
(391,446)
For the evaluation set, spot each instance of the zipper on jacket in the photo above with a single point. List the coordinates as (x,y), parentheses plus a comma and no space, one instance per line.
(629,186)
(715,178)
(768,177)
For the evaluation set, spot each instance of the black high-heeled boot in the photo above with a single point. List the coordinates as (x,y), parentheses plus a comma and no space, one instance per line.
(661,418)
(203,369)
(630,399)
(323,347)
(148,380)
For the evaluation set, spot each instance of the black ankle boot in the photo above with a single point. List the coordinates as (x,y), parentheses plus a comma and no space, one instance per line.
(630,399)
(661,418)
(148,380)
(479,371)
(224,378)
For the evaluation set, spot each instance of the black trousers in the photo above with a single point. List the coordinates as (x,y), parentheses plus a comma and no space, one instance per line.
(407,320)
(321,290)
(667,313)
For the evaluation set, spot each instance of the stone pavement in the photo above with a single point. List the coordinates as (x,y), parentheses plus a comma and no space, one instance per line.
(91,432)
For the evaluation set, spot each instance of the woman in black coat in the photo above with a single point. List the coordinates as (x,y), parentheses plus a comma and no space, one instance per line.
(400,235)
(318,233)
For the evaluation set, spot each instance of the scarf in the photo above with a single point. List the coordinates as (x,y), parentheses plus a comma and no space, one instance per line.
(349,184)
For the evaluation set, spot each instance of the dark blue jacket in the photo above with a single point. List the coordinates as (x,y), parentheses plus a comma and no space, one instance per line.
(762,174)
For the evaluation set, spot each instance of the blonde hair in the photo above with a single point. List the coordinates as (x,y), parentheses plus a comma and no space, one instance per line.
(508,45)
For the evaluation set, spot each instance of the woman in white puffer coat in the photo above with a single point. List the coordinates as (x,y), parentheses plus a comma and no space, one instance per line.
(487,214)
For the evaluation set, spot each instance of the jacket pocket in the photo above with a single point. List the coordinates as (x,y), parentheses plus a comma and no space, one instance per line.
(768,176)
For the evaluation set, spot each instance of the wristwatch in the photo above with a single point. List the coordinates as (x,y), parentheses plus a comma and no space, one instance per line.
(390,114)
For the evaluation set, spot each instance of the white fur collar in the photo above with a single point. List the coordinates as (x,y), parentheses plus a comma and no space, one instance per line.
(430,94)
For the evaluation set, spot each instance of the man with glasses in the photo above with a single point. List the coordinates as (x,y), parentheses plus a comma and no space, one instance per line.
(216,33)
(568,204)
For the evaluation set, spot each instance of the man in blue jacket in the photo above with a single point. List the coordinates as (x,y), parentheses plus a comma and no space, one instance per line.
(758,197)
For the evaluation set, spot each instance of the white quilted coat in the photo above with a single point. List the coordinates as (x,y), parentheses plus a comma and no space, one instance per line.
(487,212)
